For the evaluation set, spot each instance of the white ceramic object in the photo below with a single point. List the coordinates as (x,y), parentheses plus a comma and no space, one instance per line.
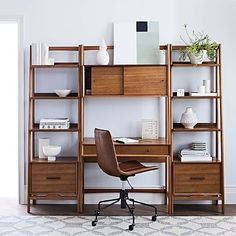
(51,151)
(62,92)
(202,89)
(102,55)
(189,118)
(43,142)
(197,58)
(207,84)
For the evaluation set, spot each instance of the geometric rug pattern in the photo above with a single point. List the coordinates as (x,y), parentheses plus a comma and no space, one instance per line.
(116,225)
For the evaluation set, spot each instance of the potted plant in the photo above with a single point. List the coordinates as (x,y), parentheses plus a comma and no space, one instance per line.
(199,45)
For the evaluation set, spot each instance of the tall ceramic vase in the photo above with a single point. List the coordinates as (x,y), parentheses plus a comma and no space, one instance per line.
(102,55)
(189,118)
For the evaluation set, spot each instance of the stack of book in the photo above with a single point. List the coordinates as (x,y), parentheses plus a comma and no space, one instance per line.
(57,123)
(125,140)
(198,146)
(40,54)
(187,155)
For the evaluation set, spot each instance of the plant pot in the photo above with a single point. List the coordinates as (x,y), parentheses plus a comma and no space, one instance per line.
(188,118)
(197,58)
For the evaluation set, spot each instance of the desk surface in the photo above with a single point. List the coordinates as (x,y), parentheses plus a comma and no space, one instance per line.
(154,142)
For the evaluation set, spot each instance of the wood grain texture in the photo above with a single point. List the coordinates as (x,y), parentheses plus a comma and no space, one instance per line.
(197,178)
(107,80)
(145,80)
(53,178)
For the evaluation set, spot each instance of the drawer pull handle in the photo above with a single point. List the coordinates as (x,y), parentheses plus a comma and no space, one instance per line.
(197,178)
(53,178)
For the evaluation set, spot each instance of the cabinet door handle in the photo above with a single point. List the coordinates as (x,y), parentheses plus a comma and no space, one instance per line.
(197,178)
(53,177)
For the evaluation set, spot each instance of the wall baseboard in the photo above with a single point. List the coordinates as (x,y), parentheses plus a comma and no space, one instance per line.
(230,194)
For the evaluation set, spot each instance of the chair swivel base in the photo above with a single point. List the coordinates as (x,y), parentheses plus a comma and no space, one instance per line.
(123,199)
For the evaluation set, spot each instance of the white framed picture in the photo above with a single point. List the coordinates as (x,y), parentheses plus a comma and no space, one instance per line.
(150,129)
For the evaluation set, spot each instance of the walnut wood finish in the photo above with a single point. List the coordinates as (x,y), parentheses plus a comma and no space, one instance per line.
(130,80)
(50,180)
(196,178)
(107,81)
(145,80)
(53,178)
(203,180)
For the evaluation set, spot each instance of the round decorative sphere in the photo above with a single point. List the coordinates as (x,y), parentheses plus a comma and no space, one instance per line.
(189,118)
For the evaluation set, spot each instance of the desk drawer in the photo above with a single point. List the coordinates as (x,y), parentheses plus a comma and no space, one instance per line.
(132,149)
(196,178)
(53,178)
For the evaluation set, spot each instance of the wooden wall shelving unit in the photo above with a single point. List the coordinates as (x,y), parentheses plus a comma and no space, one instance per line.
(200,180)
(51,180)
(125,81)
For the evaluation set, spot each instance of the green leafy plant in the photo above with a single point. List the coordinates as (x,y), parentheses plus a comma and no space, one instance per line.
(197,43)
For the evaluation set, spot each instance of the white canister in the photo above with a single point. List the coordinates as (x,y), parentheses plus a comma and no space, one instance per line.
(207,84)
(43,142)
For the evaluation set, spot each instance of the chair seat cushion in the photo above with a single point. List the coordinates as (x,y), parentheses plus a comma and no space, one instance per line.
(130,168)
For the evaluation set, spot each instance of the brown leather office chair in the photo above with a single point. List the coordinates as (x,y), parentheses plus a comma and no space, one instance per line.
(107,160)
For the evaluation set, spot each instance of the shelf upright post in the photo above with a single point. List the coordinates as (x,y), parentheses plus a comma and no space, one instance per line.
(81,128)
(221,132)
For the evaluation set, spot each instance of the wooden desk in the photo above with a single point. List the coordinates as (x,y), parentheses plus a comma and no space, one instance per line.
(156,151)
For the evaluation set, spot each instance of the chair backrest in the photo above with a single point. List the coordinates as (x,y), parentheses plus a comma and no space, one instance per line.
(106,155)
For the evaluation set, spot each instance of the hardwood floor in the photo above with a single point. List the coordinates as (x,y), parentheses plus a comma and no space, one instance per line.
(11,207)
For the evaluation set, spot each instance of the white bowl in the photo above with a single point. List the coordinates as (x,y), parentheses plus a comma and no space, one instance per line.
(62,92)
(51,151)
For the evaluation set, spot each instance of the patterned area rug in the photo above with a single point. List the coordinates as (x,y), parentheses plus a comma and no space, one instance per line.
(73,225)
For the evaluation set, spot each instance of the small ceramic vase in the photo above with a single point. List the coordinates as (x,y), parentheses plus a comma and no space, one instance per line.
(102,55)
(188,118)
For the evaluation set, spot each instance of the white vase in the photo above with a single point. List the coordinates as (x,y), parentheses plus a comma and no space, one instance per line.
(189,118)
(102,55)
(197,58)
(43,142)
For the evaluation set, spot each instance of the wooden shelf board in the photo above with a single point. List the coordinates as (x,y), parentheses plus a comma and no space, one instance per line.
(64,48)
(119,65)
(53,96)
(46,196)
(188,64)
(110,47)
(160,141)
(114,190)
(73,128)
(189,196)
(128,157)
(124,95)
(200,127)
(195,97)
(178,47)
(177,161)
(58,160)
(58,65)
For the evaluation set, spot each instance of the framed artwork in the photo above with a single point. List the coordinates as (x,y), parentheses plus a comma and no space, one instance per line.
(136,42)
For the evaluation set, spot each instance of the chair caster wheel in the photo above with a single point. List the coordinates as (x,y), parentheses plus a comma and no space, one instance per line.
(94,223)
(131,227)
(154,218)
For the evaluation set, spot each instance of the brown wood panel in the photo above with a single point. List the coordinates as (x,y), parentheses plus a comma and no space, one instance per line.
(131,149)
(107,80)
(53,178)
(145,80)
(197,178)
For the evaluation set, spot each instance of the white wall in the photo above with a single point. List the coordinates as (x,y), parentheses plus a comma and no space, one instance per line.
(74,22)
